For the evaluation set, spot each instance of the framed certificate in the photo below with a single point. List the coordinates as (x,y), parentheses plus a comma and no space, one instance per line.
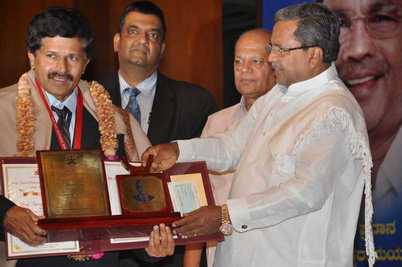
(21,185)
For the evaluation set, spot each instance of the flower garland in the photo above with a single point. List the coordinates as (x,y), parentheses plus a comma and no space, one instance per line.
(25,125)
(25,120)
(86,257)
(105,113)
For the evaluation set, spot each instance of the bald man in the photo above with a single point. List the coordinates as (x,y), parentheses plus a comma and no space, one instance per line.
(253,78)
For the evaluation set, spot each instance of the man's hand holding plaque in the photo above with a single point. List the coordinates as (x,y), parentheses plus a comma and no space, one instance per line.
(22,223)
(164,156)
(161,243)
(205,220)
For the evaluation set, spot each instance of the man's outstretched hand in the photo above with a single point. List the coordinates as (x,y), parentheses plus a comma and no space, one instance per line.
(165,156)
(203,221)
(22,223)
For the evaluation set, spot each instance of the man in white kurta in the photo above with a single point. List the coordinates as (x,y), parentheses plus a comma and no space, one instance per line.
(253,78)
(301,156)
(303,159)
(218,123)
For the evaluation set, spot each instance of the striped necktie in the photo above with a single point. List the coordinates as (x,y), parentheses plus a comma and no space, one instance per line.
(133,106)
(63,123)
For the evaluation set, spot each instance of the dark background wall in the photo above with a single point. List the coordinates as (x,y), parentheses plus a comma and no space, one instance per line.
(200,38)
(238,16)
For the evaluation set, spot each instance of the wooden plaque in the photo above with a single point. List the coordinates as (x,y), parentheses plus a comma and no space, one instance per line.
(125,229)
(73,184)
(144,194)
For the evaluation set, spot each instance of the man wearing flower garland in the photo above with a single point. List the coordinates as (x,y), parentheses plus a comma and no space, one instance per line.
(51,108)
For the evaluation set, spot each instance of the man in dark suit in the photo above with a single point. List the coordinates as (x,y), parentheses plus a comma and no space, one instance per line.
(166,109)
(169,109)
(51,108)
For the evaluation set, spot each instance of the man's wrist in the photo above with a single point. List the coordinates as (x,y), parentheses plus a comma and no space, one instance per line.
(176,149)
(226,227)
(5,206)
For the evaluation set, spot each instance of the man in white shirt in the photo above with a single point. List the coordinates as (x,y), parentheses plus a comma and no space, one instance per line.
(253,77)
(301,156)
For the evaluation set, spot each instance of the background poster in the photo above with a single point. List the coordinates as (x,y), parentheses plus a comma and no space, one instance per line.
(269,8)
(376,50)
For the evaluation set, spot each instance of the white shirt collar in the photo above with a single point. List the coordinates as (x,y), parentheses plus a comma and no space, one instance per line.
(299,88)
(70,102)
(147,86)
(243,105)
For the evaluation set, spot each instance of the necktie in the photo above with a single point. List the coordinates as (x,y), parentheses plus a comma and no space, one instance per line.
(133,107)
(64,123)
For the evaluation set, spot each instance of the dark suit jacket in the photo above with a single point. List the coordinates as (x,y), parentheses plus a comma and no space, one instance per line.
(179,110)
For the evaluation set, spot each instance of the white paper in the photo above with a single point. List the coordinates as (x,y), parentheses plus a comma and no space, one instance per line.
(16,247)
(184,196)
(113,168)
(129,239)
(21,185)
(132,239)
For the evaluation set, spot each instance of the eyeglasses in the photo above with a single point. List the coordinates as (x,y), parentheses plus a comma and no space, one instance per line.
(282,51)
(375,28)
(380,24)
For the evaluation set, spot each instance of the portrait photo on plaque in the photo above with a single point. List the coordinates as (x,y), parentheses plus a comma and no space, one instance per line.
(142,194)
(73,183)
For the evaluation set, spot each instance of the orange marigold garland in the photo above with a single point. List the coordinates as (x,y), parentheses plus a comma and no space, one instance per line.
(25,126)
(105,113)
(25,120)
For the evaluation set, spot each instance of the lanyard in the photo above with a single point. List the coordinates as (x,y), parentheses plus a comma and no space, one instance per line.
(78,119)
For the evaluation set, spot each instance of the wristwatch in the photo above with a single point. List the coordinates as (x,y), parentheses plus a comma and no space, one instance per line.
(226,227)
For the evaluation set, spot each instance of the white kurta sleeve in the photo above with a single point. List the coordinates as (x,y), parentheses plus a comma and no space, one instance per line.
(315,165)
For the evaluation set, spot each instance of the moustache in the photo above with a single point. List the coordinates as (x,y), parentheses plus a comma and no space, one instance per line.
(140,48)
(66,76)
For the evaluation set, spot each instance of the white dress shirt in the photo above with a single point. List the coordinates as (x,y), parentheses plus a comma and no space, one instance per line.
(70,102)
(302,159)
(145,98)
